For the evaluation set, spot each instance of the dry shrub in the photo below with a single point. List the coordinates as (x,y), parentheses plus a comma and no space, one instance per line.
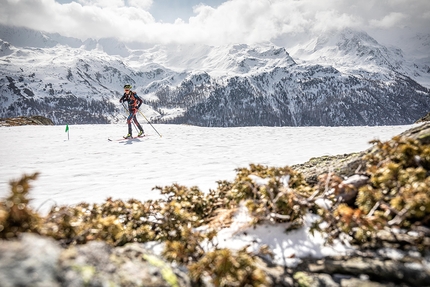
(16,216)
(228,268)
(283,198)
(396,195)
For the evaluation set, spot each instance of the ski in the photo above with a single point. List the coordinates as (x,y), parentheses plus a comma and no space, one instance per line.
(127,139)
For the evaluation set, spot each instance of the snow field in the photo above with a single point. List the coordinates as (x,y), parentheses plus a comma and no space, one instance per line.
(90,168)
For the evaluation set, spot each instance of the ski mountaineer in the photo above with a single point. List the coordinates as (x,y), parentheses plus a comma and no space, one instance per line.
(134,103)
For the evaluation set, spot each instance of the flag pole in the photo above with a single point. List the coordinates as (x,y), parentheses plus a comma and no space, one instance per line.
(67,130)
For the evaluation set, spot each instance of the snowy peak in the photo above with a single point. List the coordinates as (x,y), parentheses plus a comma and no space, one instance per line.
(349,49)
(345,42)
(355,52)
(246,59)
(215,60)
(114,47)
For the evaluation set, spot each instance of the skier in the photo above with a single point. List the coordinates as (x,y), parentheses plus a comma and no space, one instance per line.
(134,103)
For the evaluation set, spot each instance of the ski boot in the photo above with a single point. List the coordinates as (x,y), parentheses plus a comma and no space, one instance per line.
(140,134)
(129,136)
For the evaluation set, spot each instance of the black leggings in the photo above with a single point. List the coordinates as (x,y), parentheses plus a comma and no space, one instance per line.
(132,117)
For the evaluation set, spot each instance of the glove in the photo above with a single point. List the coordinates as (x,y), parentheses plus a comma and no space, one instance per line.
(120,100)
(134,111)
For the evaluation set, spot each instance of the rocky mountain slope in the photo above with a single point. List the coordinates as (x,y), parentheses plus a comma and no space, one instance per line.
(346,78)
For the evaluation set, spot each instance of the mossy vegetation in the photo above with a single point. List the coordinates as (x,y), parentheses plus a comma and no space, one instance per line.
(396,194)
(229,268)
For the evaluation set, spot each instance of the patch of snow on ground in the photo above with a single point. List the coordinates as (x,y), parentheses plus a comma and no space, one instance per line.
(287,247)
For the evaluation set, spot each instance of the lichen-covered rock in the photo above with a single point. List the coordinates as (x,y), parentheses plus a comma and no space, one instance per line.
(33,260)
(22,121)
(99,264)
(425,118)
(420,132)
(314,279)
(408,270)
(343,165)
(30,261)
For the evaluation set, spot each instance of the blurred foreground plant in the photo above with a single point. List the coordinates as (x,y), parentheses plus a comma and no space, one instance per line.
(16,216)
(397,194)
(229,268)
(272,194)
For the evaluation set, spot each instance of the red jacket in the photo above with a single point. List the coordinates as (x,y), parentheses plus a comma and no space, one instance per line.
(134,102)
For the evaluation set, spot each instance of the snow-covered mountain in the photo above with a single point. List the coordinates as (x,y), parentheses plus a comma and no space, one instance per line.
(356,52)
(344,78)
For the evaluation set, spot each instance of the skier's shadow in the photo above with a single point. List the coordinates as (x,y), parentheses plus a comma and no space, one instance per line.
(130,141)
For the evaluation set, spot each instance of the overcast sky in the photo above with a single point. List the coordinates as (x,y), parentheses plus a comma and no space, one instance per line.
(215,21)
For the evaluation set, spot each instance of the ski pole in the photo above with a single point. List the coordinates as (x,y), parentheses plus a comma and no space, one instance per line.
(135,127)
(149,123)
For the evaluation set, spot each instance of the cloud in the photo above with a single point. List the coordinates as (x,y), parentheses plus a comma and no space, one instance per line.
(142,4)
(234,21)
(102,3)
(389,21)
(86,19)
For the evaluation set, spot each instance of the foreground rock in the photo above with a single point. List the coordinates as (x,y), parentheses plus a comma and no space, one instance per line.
(426,118)
(371,270)
(419,132)
(34,260)
(23,121)
(377,270)
(40,261)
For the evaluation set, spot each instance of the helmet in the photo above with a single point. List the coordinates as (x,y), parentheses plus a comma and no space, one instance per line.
(128,87)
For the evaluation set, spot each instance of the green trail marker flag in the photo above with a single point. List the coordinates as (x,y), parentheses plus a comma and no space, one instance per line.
(67,131)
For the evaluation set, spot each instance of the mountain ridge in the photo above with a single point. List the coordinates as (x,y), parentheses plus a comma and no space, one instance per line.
(346,78)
